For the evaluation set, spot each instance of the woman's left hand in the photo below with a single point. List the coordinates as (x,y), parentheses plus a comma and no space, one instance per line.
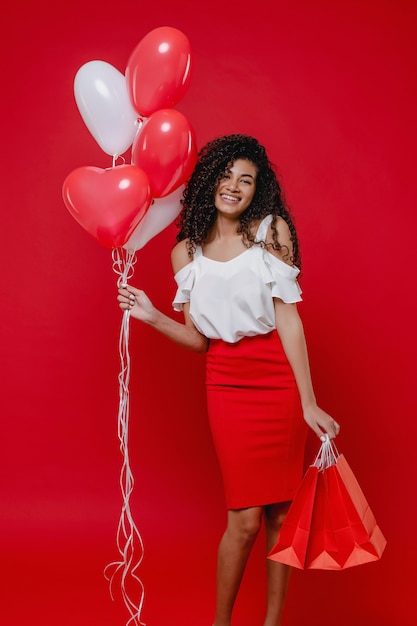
(321,422)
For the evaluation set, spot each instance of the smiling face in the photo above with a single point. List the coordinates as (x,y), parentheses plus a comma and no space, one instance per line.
(236,188)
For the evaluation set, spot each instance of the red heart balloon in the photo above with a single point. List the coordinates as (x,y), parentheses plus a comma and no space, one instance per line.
(165,148)
(158,70)
(108,203)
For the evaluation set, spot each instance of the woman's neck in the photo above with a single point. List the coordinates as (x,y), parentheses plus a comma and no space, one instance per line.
(224,242)
(224,228)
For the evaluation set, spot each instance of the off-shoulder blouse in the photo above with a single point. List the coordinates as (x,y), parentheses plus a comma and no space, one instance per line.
(233,299)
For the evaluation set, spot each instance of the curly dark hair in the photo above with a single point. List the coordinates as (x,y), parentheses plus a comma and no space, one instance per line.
(198,212)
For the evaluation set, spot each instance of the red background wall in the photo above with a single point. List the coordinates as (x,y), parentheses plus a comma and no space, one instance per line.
(330,89)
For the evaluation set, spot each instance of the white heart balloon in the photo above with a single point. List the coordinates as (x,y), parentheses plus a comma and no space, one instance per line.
(161,213)
(103,101)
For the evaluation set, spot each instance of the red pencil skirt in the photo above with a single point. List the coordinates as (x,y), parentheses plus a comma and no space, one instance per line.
(256,420)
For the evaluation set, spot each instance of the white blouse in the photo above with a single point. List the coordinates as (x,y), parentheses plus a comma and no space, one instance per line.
(233,299)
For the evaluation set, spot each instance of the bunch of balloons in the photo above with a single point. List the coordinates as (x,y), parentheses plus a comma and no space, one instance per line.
(126,205)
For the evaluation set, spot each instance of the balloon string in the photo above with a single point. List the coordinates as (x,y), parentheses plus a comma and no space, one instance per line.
(128,539)
(115,159)
(124,262)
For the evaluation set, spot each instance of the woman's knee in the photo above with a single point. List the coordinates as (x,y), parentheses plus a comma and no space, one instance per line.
(245,523)
(275,514)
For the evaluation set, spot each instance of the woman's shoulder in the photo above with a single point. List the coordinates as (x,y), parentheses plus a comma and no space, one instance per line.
(284,240)
(282,227)
(263,228)
(179,256)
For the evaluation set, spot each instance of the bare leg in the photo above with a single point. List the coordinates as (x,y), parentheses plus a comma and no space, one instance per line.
(242,529)
(277,573)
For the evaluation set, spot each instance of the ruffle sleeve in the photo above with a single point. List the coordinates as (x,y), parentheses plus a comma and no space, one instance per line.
(184,278)
(281,278)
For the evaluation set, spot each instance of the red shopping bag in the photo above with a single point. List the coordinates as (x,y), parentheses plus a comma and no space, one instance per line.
(343,531)
(323,548)
(368,541)
(291,547)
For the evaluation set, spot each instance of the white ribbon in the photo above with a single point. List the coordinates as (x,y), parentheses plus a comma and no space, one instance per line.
(129,541)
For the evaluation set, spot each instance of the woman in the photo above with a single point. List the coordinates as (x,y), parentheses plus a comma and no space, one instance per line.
(235,264)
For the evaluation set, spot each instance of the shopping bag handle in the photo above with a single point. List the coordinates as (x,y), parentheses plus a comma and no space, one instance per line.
(327,455)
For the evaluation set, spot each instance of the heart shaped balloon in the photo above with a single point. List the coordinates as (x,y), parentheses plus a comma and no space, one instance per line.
(103,101)
(108,203)
(161,214)
(165,148)
(158,70)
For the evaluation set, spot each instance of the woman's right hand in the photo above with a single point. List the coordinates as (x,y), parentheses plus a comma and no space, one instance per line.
(137,302)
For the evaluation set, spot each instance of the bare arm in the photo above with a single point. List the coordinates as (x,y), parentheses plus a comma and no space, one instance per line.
(291,332)
(141,308)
